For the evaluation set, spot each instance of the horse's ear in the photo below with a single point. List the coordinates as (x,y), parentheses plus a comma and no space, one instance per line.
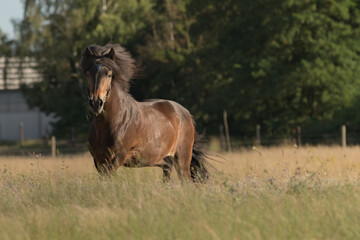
(88,52)
(111,54)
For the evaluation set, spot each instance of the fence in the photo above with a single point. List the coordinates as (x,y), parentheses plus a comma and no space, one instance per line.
(54,147)
(297,138)
(227,143)
(50,146)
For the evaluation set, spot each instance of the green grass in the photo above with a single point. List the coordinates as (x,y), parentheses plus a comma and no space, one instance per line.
(131,206)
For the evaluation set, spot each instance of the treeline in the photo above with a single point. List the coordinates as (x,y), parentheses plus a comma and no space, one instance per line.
(276,63)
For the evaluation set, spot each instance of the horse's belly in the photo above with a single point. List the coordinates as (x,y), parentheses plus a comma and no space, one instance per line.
(135,162)
(147,156)
(136,158)
(152,147)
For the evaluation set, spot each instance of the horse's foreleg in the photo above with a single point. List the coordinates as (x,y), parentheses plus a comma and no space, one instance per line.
(106,167)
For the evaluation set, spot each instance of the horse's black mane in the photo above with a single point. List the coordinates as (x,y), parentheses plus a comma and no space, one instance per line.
(121,62)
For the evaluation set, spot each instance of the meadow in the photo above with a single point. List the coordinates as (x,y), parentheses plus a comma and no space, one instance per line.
(261,193)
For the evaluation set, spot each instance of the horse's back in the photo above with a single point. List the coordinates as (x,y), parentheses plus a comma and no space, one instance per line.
(171,119)
(169,108)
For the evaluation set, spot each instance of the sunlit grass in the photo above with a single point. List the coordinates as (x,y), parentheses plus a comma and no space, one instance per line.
(263,193)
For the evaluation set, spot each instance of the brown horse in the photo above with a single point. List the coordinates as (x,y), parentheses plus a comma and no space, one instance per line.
(128,133)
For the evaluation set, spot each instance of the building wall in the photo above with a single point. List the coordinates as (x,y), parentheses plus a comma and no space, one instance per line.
(14,110)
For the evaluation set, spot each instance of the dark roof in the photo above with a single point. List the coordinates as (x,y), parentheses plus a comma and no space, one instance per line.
(14,71)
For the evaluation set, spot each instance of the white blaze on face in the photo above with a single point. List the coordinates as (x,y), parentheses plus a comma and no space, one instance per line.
(104,84)
(99,83)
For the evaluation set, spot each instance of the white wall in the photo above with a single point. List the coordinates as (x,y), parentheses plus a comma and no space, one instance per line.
(34,122)
(13,111)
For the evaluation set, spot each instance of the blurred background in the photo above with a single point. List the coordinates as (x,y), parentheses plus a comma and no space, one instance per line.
(251,72)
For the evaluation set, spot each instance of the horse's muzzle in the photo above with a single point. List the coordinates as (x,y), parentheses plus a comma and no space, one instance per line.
(96,106)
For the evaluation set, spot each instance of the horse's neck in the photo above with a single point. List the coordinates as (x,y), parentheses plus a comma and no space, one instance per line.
(121,109)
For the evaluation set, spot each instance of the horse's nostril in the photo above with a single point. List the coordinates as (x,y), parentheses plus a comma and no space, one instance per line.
(101,102)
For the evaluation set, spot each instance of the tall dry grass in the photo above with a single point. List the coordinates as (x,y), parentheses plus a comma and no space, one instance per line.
(265,193)
(330,163)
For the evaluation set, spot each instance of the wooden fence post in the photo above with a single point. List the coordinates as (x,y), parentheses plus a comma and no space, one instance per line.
(21,133)
(258,138)
(343,136)
(298,136)
(227,132)
(53,147)
(222,137)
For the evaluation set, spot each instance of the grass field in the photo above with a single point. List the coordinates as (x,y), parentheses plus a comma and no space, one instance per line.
(265,193)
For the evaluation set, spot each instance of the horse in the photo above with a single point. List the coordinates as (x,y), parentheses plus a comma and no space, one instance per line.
(125,132)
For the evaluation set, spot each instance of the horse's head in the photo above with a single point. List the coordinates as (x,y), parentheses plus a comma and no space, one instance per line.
(103,65)
(99,77)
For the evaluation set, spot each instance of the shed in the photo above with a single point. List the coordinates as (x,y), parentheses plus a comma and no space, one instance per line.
(13,107)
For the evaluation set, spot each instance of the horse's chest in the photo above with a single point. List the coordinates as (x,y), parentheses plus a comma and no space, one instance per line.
(101,147)
(101,151)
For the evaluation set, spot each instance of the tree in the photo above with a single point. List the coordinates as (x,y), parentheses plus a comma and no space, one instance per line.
(275,63)
(5,45)
(56,33)
(169,56)
(282,63)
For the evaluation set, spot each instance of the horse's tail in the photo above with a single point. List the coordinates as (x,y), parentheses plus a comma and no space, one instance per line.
(198,166)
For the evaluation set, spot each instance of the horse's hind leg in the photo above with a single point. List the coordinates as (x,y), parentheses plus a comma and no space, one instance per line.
(183,152)
(167,168)
(182,163)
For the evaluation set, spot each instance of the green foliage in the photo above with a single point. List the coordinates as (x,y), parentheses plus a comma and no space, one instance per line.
(281,63)
(5,45)
(275,63)
(56,32)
